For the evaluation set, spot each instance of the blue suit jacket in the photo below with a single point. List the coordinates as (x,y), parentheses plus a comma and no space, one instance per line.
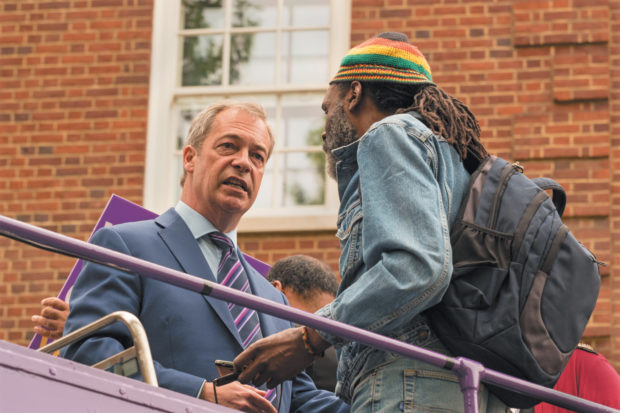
(187,331)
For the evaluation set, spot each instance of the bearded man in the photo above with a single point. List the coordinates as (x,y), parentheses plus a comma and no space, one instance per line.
(395,143)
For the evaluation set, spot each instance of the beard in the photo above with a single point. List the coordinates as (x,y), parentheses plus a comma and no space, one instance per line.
(341,133)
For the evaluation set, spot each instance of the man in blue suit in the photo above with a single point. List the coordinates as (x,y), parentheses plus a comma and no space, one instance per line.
(224,159)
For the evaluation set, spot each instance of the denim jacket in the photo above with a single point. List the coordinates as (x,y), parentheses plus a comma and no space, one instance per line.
(400,188)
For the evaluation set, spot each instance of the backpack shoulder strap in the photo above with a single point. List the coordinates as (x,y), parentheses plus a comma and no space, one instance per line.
(559,195)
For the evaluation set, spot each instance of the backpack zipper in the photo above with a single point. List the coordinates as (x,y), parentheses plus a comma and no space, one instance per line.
(507,172)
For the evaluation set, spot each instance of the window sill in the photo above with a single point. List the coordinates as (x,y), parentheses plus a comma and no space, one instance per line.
(288,223)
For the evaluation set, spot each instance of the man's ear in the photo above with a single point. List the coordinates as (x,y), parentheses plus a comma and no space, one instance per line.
(277,284)
(189,155)
(353,98)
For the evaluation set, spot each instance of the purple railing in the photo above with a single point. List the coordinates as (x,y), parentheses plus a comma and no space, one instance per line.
(470,372)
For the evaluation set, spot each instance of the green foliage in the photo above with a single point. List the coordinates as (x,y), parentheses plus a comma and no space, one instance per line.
(203,60)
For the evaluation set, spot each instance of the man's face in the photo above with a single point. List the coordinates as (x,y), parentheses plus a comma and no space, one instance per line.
(225,175)
(339,131)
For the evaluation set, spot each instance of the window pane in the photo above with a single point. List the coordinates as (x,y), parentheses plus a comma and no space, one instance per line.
(302,121)
(255,13)
(200,14)
(202,60)
(303,178)
(305,57)
(185,119)
(302,173)
(264,200)
(252,58)
(305,13)
(268,102)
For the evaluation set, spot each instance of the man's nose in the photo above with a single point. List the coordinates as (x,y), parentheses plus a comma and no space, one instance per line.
(242,162)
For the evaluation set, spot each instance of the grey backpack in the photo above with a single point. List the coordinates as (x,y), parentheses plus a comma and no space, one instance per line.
(523,288)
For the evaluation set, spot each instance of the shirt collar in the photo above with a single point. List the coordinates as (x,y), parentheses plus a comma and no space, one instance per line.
(198,224)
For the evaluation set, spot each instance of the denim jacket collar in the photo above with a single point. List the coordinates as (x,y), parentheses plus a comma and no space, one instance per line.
(346,165)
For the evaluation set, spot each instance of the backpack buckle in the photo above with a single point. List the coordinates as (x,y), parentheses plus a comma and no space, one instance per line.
(518,166)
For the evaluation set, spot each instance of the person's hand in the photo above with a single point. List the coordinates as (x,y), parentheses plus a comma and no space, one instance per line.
(238,396)
(278,357)
(51,322)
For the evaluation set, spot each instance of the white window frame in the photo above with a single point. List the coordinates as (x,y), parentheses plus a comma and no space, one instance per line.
(160,180)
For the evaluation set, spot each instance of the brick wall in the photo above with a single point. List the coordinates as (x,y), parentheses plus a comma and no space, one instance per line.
(539,75)
(73,111)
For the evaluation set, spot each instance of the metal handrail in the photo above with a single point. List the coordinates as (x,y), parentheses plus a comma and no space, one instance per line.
(141,350)
(470,372)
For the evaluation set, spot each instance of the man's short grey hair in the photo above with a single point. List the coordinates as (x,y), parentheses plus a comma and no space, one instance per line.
(203,122)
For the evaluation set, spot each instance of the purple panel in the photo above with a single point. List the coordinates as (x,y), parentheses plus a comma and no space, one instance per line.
(258,265)
(37,382)
(117,211)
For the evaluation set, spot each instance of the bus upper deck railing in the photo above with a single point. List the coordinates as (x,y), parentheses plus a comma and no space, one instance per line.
(470,372)
(140,351)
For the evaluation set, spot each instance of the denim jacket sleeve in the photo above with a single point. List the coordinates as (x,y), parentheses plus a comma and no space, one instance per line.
(405,245)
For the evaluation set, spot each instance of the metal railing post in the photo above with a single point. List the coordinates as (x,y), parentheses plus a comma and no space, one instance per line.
(469,373)
(141,346)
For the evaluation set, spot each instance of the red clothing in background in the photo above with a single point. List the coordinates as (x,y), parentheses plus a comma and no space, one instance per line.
(590,376)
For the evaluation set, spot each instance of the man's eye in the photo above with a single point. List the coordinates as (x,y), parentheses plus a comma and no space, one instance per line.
(258,157)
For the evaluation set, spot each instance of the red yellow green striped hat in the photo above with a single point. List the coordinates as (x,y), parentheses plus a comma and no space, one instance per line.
(387,57)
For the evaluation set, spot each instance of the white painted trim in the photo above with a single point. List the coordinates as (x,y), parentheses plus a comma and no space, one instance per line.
(289,223)
(245,90)
(157,179)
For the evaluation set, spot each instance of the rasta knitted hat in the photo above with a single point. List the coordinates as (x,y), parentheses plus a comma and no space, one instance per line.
(387,57)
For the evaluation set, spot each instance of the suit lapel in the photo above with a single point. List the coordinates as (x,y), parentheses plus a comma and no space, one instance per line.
(182,244)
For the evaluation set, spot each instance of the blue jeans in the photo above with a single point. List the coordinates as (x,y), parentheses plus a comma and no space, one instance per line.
(406,385)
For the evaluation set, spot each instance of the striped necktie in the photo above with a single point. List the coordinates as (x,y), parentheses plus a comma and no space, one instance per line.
(230,273)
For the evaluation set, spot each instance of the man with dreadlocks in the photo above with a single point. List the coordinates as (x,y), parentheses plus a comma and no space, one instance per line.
(395,142)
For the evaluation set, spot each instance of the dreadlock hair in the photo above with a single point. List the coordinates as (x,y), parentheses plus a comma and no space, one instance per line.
(445,115)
